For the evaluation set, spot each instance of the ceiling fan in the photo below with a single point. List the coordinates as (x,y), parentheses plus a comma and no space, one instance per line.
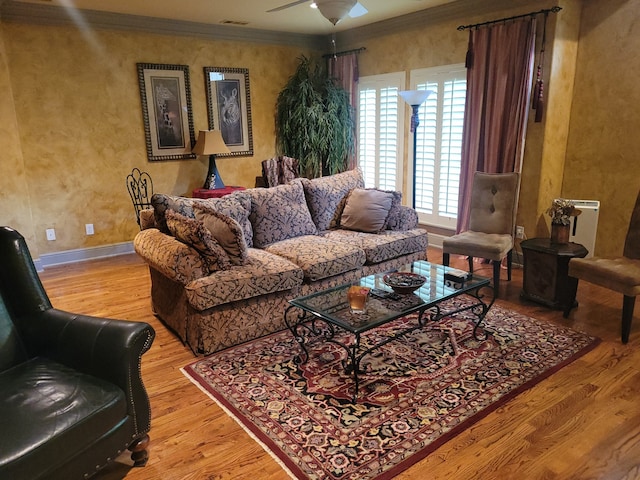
(332,10)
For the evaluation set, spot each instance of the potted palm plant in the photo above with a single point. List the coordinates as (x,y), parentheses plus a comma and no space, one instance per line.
(314,121)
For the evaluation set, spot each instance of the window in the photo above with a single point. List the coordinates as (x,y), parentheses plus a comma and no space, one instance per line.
(439,144)
(380,126)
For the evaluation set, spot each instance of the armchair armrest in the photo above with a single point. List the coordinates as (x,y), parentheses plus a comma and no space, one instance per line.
(105,348)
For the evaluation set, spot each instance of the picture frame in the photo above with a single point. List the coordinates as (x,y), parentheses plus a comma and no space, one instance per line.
(229,107)
(165,93)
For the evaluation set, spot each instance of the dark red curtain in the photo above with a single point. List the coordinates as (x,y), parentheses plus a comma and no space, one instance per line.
(500,65)
(344,69)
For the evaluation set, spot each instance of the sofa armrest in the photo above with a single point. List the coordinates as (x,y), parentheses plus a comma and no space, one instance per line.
(102,347)
(169,256)
(404,218)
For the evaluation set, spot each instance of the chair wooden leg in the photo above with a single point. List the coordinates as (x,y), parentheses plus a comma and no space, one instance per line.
(138,449)
(509,263)
(445,259)
(627,316)
(470,261)
(496,277)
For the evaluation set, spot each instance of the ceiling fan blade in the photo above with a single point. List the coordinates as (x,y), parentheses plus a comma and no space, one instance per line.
(288,5)
(358,10)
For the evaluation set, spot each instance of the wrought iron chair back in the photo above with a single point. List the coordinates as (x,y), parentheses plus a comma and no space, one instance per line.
(140,188)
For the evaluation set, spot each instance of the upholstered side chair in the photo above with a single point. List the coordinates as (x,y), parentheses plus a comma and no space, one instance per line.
(620,274)
(492,218)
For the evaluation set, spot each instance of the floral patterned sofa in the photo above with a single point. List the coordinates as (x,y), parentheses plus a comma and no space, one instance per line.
(223,269)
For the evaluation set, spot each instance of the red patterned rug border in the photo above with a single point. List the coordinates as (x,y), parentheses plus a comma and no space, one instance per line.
(295,472)
(484,413)
(253,431)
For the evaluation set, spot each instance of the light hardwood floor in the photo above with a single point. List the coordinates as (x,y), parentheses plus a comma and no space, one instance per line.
(581,423)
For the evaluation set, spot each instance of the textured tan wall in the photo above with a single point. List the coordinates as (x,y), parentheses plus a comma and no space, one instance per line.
(80,127)
(15,210)
(72,126)
(603,153)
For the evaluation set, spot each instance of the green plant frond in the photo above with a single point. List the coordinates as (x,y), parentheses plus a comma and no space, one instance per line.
(314,121)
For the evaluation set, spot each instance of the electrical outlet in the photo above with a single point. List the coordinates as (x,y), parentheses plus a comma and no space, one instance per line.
(519,231)
(51,234)
(89,228)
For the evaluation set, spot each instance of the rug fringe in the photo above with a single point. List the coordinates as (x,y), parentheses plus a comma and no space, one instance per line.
(239,422)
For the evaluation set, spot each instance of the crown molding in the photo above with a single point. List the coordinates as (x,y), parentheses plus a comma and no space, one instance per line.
(39,14)
(460,11)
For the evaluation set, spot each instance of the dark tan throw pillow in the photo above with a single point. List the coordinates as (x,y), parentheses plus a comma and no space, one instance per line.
(195,234)
(366,210)
(226,231)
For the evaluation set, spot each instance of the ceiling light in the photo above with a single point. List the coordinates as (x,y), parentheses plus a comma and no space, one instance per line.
(335,10)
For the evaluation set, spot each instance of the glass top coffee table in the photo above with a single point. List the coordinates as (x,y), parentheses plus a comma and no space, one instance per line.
(323,314)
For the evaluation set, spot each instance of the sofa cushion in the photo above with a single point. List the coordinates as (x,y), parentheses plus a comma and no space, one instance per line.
(279,213)
(194,233)
(325,194)
(264,273)
(382,246)
(226,231)
(366,210)
(319,257)
(46,406)
(237,206)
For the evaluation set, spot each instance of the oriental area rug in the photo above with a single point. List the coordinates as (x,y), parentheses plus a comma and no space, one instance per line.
(416,393)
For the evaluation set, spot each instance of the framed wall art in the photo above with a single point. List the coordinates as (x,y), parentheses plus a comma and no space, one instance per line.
(229,107)
(165,93)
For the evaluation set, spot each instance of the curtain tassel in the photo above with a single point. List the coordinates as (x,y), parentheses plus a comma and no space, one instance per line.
(538,89)
(468,63)
(540,101)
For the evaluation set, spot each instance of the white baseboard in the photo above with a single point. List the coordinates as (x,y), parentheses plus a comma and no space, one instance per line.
(435,240)
(82,254)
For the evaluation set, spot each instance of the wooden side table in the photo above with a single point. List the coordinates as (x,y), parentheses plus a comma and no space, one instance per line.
(215,193)
(546,266)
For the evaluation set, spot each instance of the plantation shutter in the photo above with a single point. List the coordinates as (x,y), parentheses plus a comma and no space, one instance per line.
(439,145)
(379,127)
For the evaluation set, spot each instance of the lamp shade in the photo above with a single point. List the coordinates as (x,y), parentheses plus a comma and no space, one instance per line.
(335,10)
(210,142)
(415,97)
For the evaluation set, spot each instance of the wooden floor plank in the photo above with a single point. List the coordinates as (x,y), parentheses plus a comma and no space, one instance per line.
(581,422)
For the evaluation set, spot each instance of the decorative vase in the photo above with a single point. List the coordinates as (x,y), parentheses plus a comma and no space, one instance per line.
(559,233)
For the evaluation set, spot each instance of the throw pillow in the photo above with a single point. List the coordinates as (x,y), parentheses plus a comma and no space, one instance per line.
(237,206)
(193,233)
(225,230)
(394,219)
(279,213)
(366,210)
(325,196)
(162,203)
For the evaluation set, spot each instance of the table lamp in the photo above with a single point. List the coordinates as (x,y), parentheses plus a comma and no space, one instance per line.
(210,143)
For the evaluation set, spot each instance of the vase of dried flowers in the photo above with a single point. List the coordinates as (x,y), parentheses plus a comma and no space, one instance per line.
(561,211)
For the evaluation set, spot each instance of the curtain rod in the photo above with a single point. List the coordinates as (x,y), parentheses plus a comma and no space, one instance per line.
(346,52)
(555,9)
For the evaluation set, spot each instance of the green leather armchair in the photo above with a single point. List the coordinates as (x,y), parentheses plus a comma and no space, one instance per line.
(71,392)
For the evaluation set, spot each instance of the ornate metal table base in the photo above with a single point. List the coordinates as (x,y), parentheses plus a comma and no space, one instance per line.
(304,324)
